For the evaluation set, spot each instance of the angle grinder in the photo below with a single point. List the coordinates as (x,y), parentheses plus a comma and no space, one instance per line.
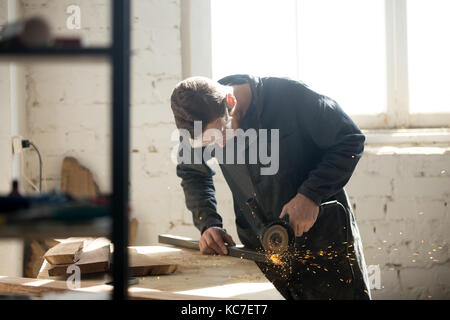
(274,236)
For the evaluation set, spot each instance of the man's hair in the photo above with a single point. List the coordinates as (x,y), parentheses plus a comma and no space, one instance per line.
(197,99)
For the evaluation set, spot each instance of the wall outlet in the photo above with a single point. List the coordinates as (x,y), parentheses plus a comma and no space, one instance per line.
(17,145)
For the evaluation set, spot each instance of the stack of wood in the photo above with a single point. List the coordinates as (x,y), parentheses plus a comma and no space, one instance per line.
(78,181)
(90,255)
(93,255)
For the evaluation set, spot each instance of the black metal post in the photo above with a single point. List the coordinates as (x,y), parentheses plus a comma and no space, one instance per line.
(120,143)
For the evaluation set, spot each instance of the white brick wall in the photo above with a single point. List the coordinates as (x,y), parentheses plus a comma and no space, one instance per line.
(401,200)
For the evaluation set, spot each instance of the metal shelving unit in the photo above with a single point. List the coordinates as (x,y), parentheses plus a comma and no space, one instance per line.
(44,230)
(58,53)
(118,55)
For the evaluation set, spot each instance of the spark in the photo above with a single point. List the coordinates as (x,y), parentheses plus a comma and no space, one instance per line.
(275,258)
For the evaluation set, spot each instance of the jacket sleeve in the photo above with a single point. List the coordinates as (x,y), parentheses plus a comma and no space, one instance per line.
(199,191)
(338,138)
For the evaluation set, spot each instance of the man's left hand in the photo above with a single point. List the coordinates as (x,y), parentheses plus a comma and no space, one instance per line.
(302,213)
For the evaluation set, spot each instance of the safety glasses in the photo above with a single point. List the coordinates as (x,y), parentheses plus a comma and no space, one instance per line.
(218,133)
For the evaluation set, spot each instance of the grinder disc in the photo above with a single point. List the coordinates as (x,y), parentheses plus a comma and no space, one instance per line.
(275,239)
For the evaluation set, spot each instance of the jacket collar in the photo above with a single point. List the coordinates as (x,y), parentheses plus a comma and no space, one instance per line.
(256,88)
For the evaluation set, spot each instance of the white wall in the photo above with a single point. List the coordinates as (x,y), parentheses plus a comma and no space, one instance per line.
(68,103)
(69,106)
(401,198)
(11,123)
(68,109)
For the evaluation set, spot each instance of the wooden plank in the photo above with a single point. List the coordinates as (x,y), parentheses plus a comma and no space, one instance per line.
(64,253)
(97,261)
(77,180)
(29,286)
(93,258)
(143,265)
(140,265)
(37,288)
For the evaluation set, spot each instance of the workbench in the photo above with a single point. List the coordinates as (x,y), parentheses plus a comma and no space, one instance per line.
(197,277)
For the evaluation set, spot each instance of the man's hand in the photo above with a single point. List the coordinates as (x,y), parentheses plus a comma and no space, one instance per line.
(302,213)
(213,241)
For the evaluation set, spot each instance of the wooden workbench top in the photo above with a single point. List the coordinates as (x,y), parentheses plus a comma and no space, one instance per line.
(198,276)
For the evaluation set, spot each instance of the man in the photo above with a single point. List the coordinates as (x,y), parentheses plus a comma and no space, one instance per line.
(318,147)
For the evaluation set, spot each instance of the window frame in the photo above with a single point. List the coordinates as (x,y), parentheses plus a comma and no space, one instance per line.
(196,49)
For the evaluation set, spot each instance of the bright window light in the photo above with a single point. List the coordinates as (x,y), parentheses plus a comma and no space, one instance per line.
(342,52)
(335,47)
(253,36)
(429,55)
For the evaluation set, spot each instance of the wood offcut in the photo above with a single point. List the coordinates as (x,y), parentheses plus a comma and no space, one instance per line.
(94,257)
(64,253)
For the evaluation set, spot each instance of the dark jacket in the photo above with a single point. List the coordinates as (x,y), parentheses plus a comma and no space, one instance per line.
(319,147)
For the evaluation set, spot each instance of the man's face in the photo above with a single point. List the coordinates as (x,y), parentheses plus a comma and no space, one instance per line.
(218,131)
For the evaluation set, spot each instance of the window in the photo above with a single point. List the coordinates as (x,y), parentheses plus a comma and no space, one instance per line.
(243,41)
(387,63)
(429,55)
